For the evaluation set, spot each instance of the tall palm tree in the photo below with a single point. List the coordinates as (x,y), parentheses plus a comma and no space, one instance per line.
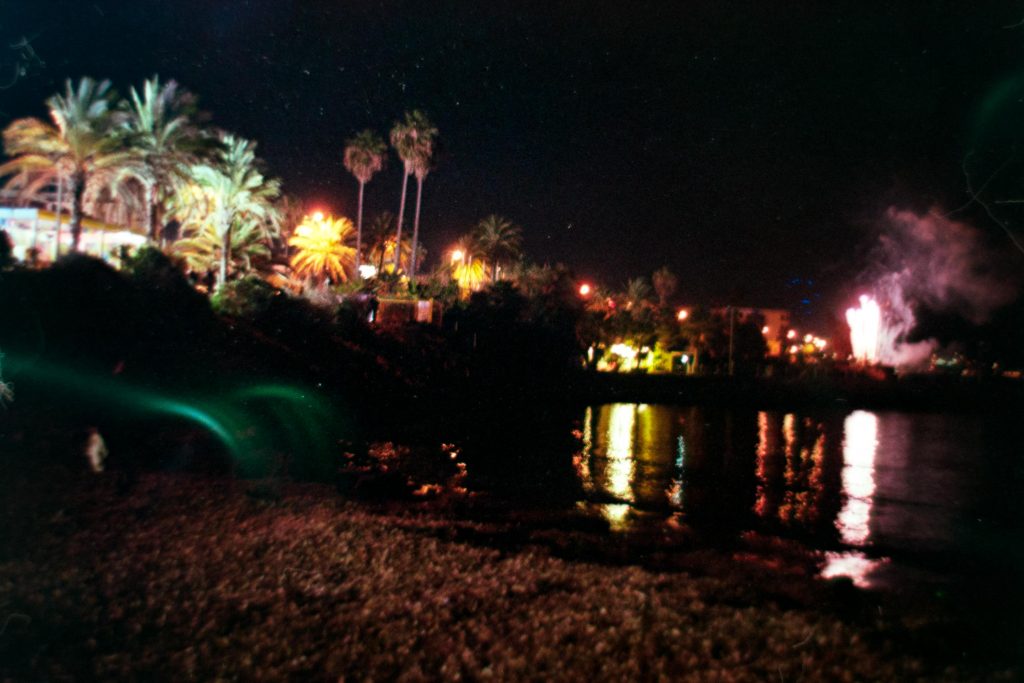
(499,240)
(81,144)
(324,248)
(163,141)
(413,140)
(228,194)
(425,141)
(364,156)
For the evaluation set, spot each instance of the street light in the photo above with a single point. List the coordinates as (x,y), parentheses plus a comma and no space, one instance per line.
(457,255)
(584,289)
(682,315)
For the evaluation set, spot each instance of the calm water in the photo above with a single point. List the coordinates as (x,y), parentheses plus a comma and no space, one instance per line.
(886,495)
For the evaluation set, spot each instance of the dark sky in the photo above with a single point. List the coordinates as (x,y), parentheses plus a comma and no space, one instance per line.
(741,144)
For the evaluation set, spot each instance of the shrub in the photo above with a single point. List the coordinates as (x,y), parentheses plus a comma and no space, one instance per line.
(245,298)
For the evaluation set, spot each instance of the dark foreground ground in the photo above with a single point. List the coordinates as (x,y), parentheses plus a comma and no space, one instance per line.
(187,578)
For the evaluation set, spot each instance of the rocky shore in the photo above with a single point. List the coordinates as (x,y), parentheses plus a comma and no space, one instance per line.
(187,578)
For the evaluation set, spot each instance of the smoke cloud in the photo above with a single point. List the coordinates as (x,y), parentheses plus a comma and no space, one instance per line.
(929,261)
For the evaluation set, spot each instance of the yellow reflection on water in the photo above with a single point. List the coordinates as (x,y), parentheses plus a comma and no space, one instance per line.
(860,441)
(616,514)
(621,465)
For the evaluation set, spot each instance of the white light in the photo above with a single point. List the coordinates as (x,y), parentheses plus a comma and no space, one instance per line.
(685,358)
(865,323)
(623,350)
(367,270)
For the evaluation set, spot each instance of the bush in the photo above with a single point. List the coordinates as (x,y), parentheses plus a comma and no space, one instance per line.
(245,298)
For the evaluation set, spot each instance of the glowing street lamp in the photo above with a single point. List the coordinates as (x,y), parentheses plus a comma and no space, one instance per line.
(766,330)
(791,334)
(682,315)
(585,289)
(457,255)
(318,216)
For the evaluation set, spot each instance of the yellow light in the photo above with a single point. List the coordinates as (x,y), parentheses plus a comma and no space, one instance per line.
(584,289)
(683,314)
(808,338)
(318,216)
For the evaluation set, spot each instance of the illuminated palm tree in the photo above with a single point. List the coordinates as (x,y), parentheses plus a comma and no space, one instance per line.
(163,141)
(80,145)
(203,246)
(230,194)
(413,140)
(499,240)
(324,248)
(364,156)
(468,267)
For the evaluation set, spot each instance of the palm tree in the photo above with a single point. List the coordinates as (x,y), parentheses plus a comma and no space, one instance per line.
(665,282)
(499,240)
(637,293)
(227,195)
(424,156)
(163,142)
(203,247)
(413,139)
(469,269)
(379,235)
(323,248)
(364,156)
(80,145)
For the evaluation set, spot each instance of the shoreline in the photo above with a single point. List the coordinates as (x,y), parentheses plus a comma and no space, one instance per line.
(205,577)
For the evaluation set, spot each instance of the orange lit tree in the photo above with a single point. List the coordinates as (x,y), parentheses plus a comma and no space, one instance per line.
(323,248)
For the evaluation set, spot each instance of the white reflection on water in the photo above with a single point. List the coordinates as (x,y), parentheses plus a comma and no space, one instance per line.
(860,441)
(860,444)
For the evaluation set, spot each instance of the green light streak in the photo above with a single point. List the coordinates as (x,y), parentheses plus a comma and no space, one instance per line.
(254,423)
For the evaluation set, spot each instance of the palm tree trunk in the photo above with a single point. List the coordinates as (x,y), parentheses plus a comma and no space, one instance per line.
(225,254)
(77,188)
(151,212)
(494,275)
(359,229)
(401,216)
(60,215)
(416,229)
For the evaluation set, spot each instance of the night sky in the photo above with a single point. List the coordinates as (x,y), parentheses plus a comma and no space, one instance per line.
(744,145)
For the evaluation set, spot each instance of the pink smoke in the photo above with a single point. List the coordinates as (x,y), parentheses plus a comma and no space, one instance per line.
(933,262)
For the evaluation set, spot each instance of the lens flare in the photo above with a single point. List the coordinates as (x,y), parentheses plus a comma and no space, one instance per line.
(865,323)
(254,423)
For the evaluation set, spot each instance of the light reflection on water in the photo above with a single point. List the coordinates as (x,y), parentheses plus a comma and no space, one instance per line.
(849,484)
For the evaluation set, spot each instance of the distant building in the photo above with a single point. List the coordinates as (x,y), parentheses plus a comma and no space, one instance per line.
(33,225)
